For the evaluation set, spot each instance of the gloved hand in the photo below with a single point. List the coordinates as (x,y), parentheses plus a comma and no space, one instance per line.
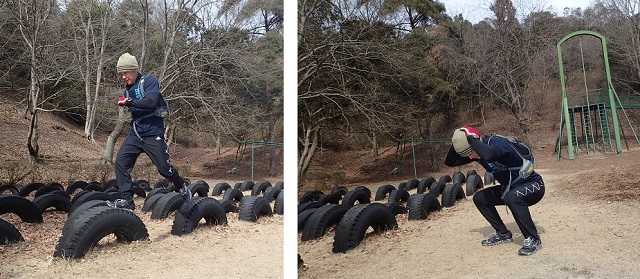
(471,133)
(124,101)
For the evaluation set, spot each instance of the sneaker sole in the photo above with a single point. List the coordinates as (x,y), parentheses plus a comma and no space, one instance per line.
(496,243)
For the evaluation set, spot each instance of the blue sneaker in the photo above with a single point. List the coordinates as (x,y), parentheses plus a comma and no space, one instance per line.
(497,238)
(186,193)
(122,203)
(530,247)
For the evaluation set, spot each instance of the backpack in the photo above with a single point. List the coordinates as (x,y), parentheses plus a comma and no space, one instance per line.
(161,111)
(525,153)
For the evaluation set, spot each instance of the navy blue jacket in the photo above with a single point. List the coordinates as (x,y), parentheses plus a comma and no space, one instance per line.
(495,157)
(141,106)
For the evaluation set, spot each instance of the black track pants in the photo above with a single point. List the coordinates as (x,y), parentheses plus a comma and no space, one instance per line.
(156,149)
(518,199)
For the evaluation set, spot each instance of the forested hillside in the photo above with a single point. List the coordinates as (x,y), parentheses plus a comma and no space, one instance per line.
(375,74)
(219,64)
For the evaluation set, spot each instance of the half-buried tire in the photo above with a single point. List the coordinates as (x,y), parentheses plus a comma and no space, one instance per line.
(168,203)
(354,224)
(96,223)
(59,202)
(220,188)
(278,206)
(452,193)
(190,214)
(9,233)
(24,208)
(93,195)
(383,191)
(324,218)
(304,216)
(150,202)
(361,195)
(253,207)
(421,205)
(229,206)
(425,184)
(399,195)
(396,208)
(260,187)
(473,184)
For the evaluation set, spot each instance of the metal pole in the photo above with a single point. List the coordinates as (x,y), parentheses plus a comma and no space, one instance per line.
(252,161)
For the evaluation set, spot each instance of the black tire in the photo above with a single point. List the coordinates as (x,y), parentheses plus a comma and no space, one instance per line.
(253,207)
(220,188)
(138,191)
(383,191)
(57,185)
(310,196)
(229,206)
(425,184)
(396,208)
(359,195)
(458,177)
(470,173)
(278,206)
(201,188)
(27,189)
(307,205)
(354,224)
(21,206)
(399,195)
(157,191)
(93,195)
(421,205)
(45,190)
(437,188)
(233,194)
(334,198)
(9,233)
(78,184)
(237,185)
(339,189)
(95,186)
(96,223)
(62,193)
(260,187)
(279,185)
(9,187)
(150,202)
(473,184)
(163,183)
(444,179)
(452,193)
(402,185)
(304,216)
(168,203)
(247,185)
(362,187)
(59,202)
(111,183)
(411,184)
(191,212)
(143,184)
(79,194)
(324,218)
(488,178)
(271,193)
(79,211)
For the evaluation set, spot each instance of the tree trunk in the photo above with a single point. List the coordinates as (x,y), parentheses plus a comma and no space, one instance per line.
(32,140)
(310,145)
(107,155)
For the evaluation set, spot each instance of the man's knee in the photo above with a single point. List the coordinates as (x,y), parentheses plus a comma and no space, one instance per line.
(479,198)
(513,197)
(167,171)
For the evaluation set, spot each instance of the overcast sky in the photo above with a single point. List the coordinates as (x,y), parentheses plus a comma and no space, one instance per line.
(477,10)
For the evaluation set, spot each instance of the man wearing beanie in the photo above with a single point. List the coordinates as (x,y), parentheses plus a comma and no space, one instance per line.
(147,107)
(498,156)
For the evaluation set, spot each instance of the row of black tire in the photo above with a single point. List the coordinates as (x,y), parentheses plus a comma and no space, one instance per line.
(318,212)
(85,225)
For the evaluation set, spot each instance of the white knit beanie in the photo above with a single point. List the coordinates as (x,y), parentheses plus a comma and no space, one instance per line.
(460,143)
(127,62)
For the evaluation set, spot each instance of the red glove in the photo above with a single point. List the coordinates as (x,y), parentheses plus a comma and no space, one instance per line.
(471,132)
(124,101)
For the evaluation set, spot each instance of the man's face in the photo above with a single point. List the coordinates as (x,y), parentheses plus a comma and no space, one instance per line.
(129,77)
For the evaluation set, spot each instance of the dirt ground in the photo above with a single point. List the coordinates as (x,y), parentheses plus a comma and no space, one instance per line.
(588,223)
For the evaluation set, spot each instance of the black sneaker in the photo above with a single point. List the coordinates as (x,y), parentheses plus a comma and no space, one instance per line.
(122,203)
(530,247)
(497,238)
(185,193)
